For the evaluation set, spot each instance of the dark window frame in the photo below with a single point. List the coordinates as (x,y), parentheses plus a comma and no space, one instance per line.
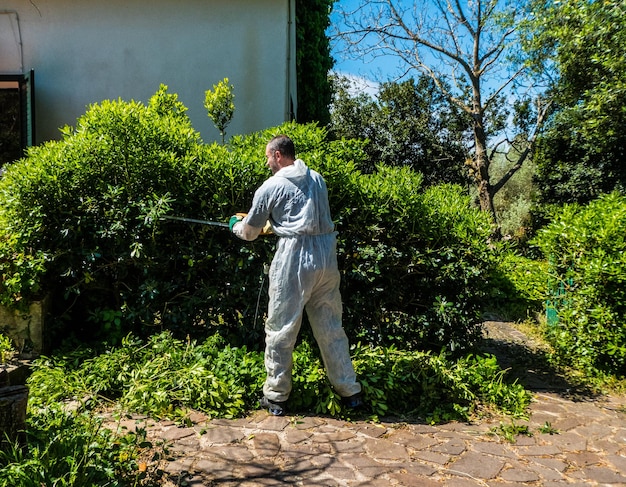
(26,88)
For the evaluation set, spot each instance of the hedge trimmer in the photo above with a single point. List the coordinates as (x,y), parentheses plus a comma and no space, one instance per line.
(194,220)
(267,229)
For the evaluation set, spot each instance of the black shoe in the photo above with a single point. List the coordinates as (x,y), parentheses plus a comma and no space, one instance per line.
(353,402)
(274,407)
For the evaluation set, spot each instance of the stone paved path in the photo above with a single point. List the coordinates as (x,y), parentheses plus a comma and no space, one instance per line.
(584,445)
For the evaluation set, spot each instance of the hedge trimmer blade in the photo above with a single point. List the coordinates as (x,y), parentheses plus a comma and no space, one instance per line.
(194,220)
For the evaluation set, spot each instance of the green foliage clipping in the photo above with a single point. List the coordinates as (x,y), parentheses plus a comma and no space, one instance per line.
(81,221)
(164,377)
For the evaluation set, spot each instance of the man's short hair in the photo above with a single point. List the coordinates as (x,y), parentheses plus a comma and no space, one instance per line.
(284,145)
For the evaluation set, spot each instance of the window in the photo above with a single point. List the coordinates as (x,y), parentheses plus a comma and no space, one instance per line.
(17,115)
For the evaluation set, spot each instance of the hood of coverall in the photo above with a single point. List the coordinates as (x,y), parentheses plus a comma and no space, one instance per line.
(306,211)
(294,171)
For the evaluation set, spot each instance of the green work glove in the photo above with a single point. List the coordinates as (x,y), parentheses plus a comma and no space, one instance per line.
(234,219)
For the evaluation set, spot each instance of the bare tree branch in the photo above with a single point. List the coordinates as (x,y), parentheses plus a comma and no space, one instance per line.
(466,47)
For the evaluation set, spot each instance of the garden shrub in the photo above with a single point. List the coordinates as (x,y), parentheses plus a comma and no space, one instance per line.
(585,248)
(84,214)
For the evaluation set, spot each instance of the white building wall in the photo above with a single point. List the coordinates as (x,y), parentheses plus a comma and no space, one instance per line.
(85,51)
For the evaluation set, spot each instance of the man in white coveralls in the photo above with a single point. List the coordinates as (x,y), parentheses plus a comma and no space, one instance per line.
(303,274)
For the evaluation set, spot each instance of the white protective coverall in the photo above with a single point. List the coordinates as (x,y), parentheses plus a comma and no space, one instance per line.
(303,276)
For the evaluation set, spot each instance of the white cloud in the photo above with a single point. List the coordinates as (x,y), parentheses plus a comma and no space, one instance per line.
(360,84)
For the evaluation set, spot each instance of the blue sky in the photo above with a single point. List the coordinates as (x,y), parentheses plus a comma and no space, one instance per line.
(383,68)
(365,71)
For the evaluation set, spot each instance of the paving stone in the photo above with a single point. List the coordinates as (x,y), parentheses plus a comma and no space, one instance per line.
(274,423)
(540,418)
(299,457)
(363,461)
(307,422)
(386,450)
(341,472)
(421,429)
(195,481)
(297,436)
(221,435)
(606,446)
(551,463)
(333,436)
(546,473)
(463,482)
(354,446)
(568,423)
(303,451)
(567,484)
(477,465)
(419,469)
(179,465)
(618,461)
(172,434)
(373,430)
(453,447)
(538,450)
(337,424)
(432,457)
(266,444)
(409,439)
(406,479)
(375,482)
(453,426)
(197,417)
(569,441)
(604,475)
(585,458)
(321,480)
(232,453)
(215,467)
(492,448)
(556,410)
(525,440)
(518,473)
(323,460)
(620,435)
(258,470)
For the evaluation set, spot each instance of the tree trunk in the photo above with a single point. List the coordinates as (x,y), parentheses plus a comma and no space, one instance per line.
(481,164)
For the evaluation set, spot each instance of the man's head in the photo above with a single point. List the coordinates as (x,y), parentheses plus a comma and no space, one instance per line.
(280,152)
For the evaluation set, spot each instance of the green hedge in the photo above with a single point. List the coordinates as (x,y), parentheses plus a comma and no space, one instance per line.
(585,247)
(80,220)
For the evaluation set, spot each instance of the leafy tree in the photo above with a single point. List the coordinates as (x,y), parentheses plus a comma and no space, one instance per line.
(581,154)
(408,123)
(471,52)
(313,60)
(515,201)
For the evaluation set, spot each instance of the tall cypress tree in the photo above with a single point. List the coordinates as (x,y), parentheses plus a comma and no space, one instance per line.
(313,60)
